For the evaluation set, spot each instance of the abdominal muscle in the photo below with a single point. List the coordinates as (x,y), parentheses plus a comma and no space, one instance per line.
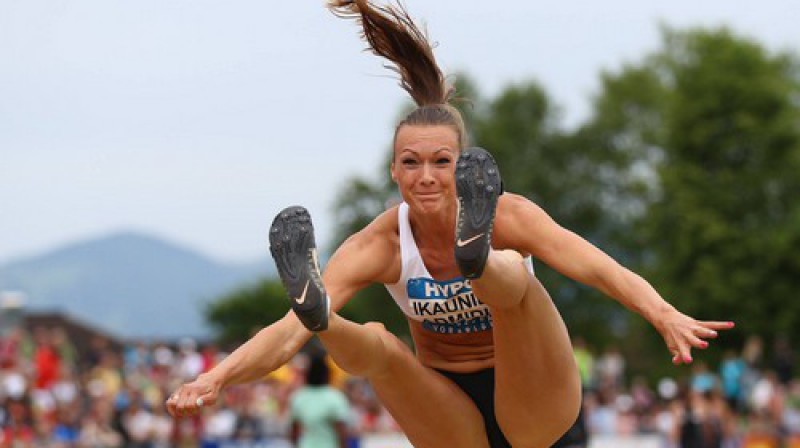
(461,353)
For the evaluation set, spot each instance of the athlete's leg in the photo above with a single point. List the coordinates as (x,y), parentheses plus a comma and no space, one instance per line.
(430,408)
(537,390)
(432,411)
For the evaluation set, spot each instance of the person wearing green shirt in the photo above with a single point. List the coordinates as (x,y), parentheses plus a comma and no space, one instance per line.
(319,412)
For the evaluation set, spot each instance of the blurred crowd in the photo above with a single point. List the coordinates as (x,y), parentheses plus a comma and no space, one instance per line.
(106,396)
(748,400)
(50,396)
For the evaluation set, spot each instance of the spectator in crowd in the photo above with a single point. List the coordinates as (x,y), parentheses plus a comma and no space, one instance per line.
(791,415)
(249,426)
(46,359)
(610,366)
(703,422)
(767,396)
(783,360)
(731,372)
(97,427)
(161,427)
(220,422)
(752,355)
(137,356)
(67,426)
(585,361)
(319,412)
(18,425)
(702,380)
(190,361)
(105,378)
(601,413)
(65,349)
(642,395)
(13,347)
(137,422)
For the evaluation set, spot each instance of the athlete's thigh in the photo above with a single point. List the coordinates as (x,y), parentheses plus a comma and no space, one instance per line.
(536,378)
(432,411)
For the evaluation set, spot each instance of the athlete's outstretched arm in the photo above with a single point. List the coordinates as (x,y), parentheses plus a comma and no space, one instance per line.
(269,349)
(530,229)
(363,258)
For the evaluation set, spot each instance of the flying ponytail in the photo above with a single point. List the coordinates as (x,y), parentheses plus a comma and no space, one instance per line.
(392,34)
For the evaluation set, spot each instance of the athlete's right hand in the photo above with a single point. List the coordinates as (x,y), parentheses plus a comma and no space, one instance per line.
(190,398)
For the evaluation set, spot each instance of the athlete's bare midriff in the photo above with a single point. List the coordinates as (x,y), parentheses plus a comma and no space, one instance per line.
(462,353)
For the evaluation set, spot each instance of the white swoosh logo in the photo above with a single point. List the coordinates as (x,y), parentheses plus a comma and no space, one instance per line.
(463,243)
(302,297)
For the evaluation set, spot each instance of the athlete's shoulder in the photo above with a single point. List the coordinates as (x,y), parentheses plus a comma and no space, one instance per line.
(387,221)
(374,250)
(516,219)
(511,205)
(384,227)
(380,234)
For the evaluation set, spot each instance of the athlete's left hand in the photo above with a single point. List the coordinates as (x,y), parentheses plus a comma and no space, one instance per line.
(681,333)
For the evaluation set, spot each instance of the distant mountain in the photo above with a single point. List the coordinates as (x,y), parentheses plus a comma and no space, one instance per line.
(129,284)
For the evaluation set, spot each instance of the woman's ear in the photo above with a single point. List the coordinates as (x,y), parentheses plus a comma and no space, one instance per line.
(391,172)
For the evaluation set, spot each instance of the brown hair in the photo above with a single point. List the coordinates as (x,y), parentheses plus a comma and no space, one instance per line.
(392,34)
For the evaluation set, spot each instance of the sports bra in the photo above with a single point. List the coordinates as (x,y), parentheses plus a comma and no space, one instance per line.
(442,306)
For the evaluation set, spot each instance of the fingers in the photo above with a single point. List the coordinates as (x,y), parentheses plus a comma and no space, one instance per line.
(681,349)
(186,401)
(207,399)
(681,355)
(706,333)
(172,405)
(681,343)
(717,325)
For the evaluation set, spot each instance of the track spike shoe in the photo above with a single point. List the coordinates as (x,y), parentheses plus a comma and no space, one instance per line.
(478,185)
(291,243)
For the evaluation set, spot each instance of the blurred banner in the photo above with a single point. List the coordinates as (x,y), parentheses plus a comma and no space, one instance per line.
(610,441)
(399,441)
(385,441)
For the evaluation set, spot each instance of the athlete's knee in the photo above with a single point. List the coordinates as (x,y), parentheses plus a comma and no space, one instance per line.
(375,326)
(510,256)
(543,423)
(541,432)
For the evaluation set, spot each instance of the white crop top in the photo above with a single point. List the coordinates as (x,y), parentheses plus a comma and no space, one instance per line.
(446,306)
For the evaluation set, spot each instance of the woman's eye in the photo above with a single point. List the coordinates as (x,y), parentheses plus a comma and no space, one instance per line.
(408,162)
(443,161)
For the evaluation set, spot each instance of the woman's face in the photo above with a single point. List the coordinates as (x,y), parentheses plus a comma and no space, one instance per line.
(424,166)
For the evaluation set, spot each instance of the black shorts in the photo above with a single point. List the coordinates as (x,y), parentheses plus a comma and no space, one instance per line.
(479,386)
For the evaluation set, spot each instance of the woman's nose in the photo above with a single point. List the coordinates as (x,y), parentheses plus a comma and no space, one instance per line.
(427,174)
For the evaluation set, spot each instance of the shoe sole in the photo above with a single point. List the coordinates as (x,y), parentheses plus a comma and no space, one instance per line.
(478,185)
(291,243)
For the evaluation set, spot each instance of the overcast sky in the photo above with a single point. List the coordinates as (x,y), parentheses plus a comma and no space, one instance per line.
(198,120)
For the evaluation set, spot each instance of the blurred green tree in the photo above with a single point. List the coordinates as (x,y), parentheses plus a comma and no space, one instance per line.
(725,227)
(240,314)
(579,182)
(712,123)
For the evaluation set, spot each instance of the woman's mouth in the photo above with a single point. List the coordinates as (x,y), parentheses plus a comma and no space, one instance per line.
(428,196)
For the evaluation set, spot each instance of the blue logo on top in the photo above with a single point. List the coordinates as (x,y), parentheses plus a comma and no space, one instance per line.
(447,306)
(426,288)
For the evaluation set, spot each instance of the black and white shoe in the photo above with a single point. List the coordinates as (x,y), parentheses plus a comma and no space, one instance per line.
(291,242)
(478,185)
